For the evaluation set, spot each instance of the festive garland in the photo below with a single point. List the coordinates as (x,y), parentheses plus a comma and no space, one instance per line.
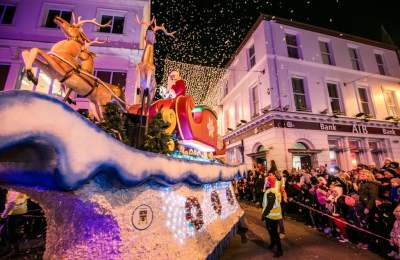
(197,221)
(229,196)
(216,202)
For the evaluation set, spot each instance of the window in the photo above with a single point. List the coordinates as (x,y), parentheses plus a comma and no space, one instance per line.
(292,46)
(52,13)
(226,88)
(334,98)
(251,54)
(45,85)
(326,55)
(117,78)
(380,63)
(364,101)
(255,102)
(117,24)
(236,112)
(7,13)
(4,69)
(299,94)
(391,104)
(355,59)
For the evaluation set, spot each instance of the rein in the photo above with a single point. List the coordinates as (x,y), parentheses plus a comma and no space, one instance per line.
(79,71)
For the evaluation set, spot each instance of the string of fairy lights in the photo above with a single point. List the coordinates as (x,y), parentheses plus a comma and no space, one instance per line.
(204,84)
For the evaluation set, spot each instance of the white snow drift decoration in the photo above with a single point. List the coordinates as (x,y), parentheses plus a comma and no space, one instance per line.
(82,148)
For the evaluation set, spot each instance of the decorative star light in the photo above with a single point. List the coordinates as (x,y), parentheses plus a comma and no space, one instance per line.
(210,127)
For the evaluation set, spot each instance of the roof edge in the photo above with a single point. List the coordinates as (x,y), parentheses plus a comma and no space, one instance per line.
(309,27)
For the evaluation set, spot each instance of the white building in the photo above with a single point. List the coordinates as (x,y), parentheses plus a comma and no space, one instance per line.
(307,96)
(25,24)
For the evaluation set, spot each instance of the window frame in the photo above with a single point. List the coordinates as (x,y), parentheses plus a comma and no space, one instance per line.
(8,74)
(395,103)
(254,106)
(96,70)
(4,11)
(251,59)
(53,6)
(360,102)
(339,97)
(113,13)
(357,60)
(381,65)
(329,54)
(305,94)
(290,46)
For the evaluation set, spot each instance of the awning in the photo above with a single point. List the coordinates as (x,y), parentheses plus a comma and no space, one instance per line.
(304,151)
(257,154)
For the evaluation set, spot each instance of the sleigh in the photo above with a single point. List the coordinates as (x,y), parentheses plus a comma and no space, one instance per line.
(195,126)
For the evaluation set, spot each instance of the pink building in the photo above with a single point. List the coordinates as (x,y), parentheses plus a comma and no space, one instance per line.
(306,96)
(25,24)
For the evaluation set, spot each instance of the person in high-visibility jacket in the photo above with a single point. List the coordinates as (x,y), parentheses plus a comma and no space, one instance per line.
(280,188)
(272,214)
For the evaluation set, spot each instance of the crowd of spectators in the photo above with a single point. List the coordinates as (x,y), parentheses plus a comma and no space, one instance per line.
(357,206)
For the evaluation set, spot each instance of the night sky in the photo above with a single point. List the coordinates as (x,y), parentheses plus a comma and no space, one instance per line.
(209,32)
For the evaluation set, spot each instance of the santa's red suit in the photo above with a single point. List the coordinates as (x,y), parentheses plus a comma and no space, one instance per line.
(178,89)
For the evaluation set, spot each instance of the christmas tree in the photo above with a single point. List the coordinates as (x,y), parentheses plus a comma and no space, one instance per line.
(156,140)
(114,121)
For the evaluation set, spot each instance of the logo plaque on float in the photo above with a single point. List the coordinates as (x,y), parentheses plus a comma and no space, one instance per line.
(142,217)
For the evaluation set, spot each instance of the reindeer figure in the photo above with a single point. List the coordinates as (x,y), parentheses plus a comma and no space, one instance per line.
(62,63)
(68,49)
(146,69)
(100,94)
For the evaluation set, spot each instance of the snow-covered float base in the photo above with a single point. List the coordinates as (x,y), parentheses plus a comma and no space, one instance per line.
(145,222)
(105,200)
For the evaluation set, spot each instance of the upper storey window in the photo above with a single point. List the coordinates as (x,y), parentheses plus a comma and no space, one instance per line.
(7,13)
(380,63)
(50,12)
(292,46)
(326,53)
(355,58)
(117,19)
(251,56)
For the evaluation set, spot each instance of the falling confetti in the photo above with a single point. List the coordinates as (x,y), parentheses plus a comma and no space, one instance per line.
(209,32)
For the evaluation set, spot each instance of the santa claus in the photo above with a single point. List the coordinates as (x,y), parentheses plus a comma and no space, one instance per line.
(176,85)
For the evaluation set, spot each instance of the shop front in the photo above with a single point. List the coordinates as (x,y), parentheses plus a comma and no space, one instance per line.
(336,143)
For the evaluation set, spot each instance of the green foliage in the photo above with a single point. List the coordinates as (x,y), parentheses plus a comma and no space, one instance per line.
(156,140)
(114,122)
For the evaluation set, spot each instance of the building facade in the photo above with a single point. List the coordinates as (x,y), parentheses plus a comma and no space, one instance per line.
(26,24)
(306,96)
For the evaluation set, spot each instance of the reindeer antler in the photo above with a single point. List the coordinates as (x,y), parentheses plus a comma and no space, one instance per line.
(96,40)
(73,18)
(143,22)
(93,21)
(162,28)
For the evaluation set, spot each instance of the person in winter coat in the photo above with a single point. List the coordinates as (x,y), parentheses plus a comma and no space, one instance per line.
(395,234)
(368,190)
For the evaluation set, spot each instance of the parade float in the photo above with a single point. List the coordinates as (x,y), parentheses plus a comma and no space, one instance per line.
(103,199)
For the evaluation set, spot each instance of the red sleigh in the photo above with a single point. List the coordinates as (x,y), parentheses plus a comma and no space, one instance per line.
(196,126)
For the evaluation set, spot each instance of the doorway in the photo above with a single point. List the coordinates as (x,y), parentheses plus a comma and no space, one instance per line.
(303,157)
(302,161)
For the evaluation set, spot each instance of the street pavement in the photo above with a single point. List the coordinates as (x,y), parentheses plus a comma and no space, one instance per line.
(301,242)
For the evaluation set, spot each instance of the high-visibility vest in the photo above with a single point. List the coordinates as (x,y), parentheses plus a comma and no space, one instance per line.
(278,186)
(276,211)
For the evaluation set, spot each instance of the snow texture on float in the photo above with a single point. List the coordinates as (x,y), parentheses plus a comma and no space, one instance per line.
(82,150)
(145,222)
